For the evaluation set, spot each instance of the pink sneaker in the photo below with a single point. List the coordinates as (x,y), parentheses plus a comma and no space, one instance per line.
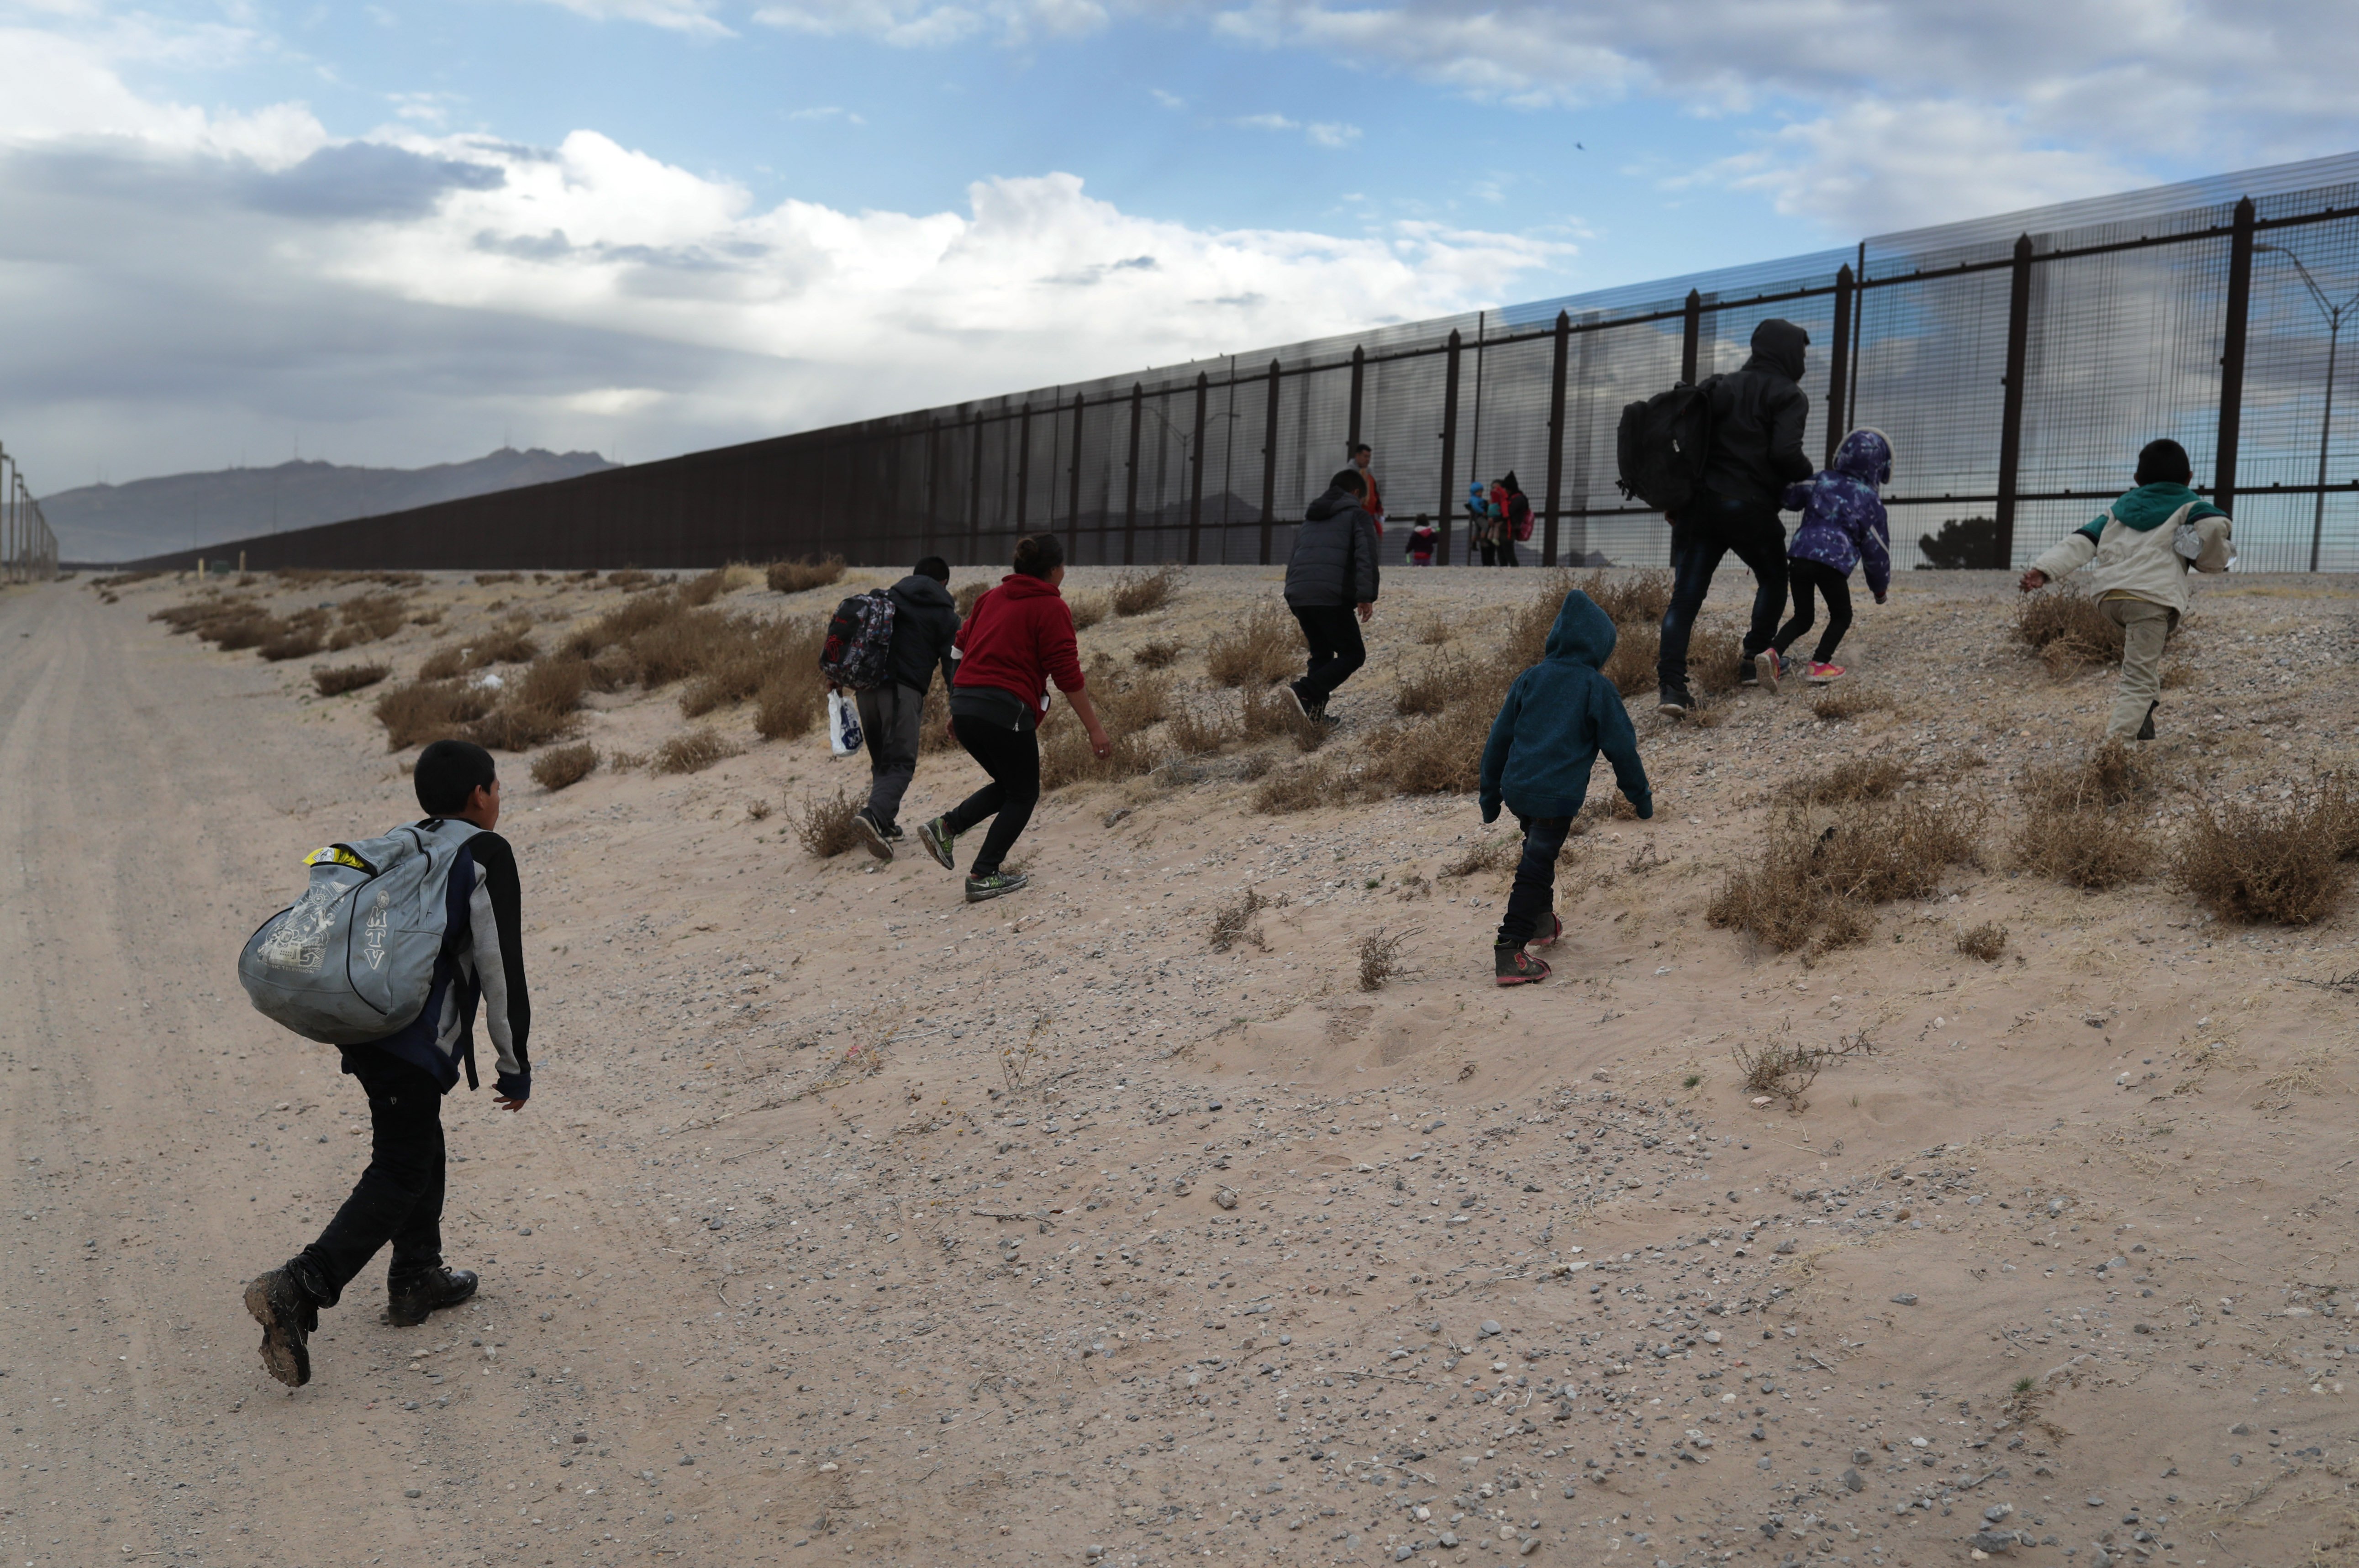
(1821,674)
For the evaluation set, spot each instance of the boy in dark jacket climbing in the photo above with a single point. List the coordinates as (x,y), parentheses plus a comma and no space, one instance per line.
(1558,716)
(1330,586)
(925,625)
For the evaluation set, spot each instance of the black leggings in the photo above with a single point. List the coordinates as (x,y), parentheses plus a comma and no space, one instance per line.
(1805,575)
(1011,758)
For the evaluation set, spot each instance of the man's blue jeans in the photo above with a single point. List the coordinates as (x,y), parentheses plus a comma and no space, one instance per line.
(1758,540)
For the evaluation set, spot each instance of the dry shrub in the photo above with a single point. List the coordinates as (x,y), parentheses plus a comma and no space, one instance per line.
(1263,716)
(1631,665)
(1986,941)
(1190,733)
(1860,778)
(486,579)
(442,664)
(1299,788)
(965,597)
(823,822)
(1528,628)
(682,645)
(1613,806)
(787,705)
(1630,598)
(368,617)
(2115,774)
(1266,646)
(1088,610)
(1380,957)
(1780,1067)
(2076,829)
(1065,754)
(1434,630)
(1815,879)
(795,576)
(1158,654)
(507,643)
(2287,863)
(296,636)
(746,657)
(563,764)
(426,711)
(1490,855)
(557,683)
(934,723)
(334,681)
(2067,629)
(1836,703)
(1440,756)
(631,580)
(703,590)
(2178,673)
(519,726)
(617,627)
(1714,659)
(1144,593)
(1234,923)
(692,751)
(1431,688)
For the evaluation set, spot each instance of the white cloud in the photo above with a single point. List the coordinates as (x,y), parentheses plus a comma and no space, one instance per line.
(920,24)
(1168,100)
(1333,133)
(1267,123)
(830,112)
(693,18)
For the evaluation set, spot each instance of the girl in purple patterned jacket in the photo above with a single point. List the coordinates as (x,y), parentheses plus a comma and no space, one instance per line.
(1843,526)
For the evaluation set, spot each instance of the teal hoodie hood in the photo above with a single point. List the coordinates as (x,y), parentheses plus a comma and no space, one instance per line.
(1558,716)
(2149,506)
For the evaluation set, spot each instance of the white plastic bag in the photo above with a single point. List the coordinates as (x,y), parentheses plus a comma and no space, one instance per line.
(843,736)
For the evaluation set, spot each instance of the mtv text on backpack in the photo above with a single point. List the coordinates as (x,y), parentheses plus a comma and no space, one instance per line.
(355,957)
(859,642)
(1662,445)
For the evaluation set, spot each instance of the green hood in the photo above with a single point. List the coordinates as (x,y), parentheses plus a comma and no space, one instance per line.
(2149,506)
(1583,632)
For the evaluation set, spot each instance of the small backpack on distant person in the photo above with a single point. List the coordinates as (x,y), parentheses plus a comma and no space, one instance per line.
(859,642)
(1662,446)
(356,958)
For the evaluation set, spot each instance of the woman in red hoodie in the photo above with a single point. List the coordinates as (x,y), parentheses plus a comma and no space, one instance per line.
(1017,640)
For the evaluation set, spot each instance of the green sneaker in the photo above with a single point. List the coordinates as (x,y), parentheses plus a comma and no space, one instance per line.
(938,838)
(998,884)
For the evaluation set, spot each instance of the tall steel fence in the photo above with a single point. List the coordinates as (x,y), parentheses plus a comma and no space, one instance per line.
(28,550)
(2016,363)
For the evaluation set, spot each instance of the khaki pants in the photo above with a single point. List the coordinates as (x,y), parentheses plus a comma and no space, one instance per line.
(2146,627)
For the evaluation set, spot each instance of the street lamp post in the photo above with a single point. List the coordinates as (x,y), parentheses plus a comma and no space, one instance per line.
(2335,315)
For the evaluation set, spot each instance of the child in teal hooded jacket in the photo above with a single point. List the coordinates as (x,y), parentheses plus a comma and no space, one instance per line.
(1558,716)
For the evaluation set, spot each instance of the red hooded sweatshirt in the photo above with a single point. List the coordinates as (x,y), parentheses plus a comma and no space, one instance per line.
(1018,638)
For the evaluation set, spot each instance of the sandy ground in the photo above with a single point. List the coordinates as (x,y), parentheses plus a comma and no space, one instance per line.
(852,1222)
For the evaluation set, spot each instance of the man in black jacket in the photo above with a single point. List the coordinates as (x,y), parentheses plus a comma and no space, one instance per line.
(1758,414)
(1329,578)
(925,621)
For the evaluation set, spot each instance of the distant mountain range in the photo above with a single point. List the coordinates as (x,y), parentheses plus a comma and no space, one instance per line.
(149,517)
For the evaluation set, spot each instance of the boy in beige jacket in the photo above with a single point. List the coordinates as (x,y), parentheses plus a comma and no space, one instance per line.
(2139,551)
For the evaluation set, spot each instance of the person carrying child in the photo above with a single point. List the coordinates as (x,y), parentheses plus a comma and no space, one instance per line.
(1421,542)
(1842,526)
(2139,551)
(1558,716)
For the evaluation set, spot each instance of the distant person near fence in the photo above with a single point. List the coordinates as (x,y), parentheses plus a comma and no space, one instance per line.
(1373,503)
(1758,414)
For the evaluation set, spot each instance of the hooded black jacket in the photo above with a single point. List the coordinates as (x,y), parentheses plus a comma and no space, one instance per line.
(924,620)
(1758,414)
(1334,559)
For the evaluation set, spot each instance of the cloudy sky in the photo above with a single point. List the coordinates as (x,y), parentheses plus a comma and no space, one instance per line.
(404,233)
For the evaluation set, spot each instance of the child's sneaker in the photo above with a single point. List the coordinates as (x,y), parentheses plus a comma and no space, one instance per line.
(1514,966)
(1825,674)
(998,884)
(873,834)
(1766,667)
(1676,701)
(938,839)
(1555,929)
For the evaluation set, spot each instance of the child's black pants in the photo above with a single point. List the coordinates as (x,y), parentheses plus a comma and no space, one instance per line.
(400,1196)
(1533,898)
(1011,758)
(1804,576)
(1337,649)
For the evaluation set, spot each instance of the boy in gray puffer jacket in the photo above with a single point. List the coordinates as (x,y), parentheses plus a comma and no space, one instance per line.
(2138,552)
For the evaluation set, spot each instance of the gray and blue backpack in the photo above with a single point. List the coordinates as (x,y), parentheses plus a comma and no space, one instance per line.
(355,957)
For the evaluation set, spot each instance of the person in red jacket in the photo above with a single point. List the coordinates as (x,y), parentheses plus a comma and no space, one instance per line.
(1017,640)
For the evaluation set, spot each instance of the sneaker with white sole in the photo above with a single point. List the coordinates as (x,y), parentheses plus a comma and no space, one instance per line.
(873,834)
(998,884)
(938,841)
(1825,674)
(1766,670)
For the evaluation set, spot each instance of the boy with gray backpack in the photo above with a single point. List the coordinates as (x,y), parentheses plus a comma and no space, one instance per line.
(392,950)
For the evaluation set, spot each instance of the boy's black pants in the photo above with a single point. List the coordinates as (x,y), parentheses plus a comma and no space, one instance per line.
(1533,898)
(1011,758)
(400,1196)
(1836,586)
(1337,649)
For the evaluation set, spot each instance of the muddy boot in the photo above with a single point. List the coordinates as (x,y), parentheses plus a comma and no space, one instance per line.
(288,1317)
(408,1300)
(1514,966)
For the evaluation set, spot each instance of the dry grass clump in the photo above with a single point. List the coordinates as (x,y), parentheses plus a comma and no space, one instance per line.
(631,580)
(1859,779)
(1263,715)
(2286,865)
(1159,655)
(2065,627)
(1234,923)
(488,579)
(795,576)
(1190,733)
(442,664)
(692,751)
(742,658)
(520,726)
(1836,703)
(229,622)
(701,590)
(1780,1067)
(1144,593)
(2077,829)
(1299,788)
(368,617)
(1088,610)
(1489,854)
(1433,630)
(1266,646)
(786,705)
(1815,880)
(934,721)
(1611,806)
(427,711)
(823,822)
(1380,956)
(1438,756)
(2115,774)
(299,636)
(507,643)
(1986,941)
(1631,665)
(563,764)
(965,597)
(1431,688)
(1630,598)
(1714,659)
(334,681)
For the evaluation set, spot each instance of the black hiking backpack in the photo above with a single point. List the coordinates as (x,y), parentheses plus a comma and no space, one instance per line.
(1662,445)
(859,643)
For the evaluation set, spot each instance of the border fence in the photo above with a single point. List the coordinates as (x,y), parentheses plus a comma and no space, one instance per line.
(28,550)
(2018,364)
